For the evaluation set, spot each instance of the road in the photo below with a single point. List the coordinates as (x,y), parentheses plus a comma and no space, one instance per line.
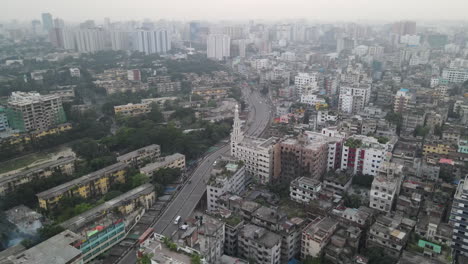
(186,200)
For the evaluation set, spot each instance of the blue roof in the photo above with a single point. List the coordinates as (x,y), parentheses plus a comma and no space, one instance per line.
(294,261)
(404,90)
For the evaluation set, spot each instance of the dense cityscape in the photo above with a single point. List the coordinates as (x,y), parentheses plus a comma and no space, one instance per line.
(227,142)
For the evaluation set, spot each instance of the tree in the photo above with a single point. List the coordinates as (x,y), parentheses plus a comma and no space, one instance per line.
(145,259)
(363,180)
(139,179)
(421,131)
(49,230)
(352,201)
(195,259)
(312,260)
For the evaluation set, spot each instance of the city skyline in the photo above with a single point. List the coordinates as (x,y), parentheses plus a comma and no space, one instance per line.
(336,10)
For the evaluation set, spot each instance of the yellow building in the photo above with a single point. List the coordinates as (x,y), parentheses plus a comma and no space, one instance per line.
(211,92)
(437,148)
(132,109)
(94,184)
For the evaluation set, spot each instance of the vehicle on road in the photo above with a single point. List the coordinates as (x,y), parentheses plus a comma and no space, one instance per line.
(176,220)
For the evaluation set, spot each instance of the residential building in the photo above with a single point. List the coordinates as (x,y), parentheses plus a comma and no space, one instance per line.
(291,234)
(463,146)
(152,41)
(120,40)
(66,92)
(256,153)
(9,183)
(47,21)
(91,185)
(455,75)
(209,93)
(218,46)
(385,187)
(3,120)
(268,217)
(34,112)
(458,218)
(365,155)
(390,233)
(437,147)
(134,75)
(90,40)
(142,155)
(174,161)
(132,109)
(403,98)
(143,196)
(304,189)
(305,83)
(75,72)
(353,98)
(226,177)
(232,226)
(337,181)
(259,244)
(317,235)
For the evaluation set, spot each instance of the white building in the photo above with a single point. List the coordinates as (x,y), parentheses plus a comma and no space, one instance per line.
(304,189)
(364,154)
(317,235)
(288,56)
(385,187)
(311,99)
(259,64)
(354,98)
(410,40)
(305,83)
(90,40)
(120,40)
(260,245)
(361,50)
(218,46)
(152,41)
(326,116)
(226,176)
(75,72)
(455,75)
(256,153)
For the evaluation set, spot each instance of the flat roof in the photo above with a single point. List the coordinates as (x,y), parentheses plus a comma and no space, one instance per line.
(80,181)
(55,250)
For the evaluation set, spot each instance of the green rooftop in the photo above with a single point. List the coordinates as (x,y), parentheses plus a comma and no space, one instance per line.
(434,247)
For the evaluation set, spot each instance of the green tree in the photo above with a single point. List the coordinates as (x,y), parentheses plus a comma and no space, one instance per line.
(363,180)
(139,179)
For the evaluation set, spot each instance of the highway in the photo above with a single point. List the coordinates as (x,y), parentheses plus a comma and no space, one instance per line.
(187,199)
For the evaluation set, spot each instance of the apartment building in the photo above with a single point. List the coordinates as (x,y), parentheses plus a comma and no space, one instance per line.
(455,75)
(132,109)
(291,238)
(317,235)
(353,98)
(226,176)
(211,92)
(142,155)
(458,218)
(260,245)
(304,189)
(64,165)
(305,83)
(403,99)
(174,161)
(91,185)
(385,187)
(34,112)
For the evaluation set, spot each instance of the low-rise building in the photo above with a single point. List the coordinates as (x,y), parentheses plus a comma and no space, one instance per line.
(385,187)
(291,238)
(304,189)
(260,245)
(317,235)
(143,155)
(91,185)
(211,92)
(132,109)
(337,181)
(64,165)
(174,161)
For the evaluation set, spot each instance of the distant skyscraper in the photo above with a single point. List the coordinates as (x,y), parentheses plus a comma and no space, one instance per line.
(90,40)
(107,23)
(218,46)
(404,28)
(36,25)
(59,23)
(56,37)
(47,21)
(69,42)
(194,27)
(154,41)
(120,40)
(88,24)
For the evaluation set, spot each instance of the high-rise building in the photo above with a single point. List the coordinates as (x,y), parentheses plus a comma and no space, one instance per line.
(305,83)
(218,46)
(59,23)
(90,40)
(353,98)
(458,218)
(69,41)
(404,28)
(3,120)
(120,40)
(36,26)
(33,112)
(403,99)
(47,22)
(56,37)
(152,41)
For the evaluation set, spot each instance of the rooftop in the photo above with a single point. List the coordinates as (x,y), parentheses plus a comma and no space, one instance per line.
(136,153)
(260,235)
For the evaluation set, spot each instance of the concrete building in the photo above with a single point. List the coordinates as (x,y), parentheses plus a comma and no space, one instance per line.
(3,120)
(34,112)
(365,155)
(91,185)
(390,234)
(143,196)
(152,41)
(458,218)
(218,46)
(353,98)
(120,40)
(90,40)
(386,187)
(259,244)
(305,83)
(226,177)
(134,75)
(174,161)
(291,234)
(47,21)
(316,236)
(142,155)
(75,72)
(256,153)
(9,183)
(455,75)
(304,189)
(403,99)
(66,92)
(132,109)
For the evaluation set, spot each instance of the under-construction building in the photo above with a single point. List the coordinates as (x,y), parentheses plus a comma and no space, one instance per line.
(34,112)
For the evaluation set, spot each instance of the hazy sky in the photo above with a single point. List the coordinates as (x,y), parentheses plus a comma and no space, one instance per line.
(77,10)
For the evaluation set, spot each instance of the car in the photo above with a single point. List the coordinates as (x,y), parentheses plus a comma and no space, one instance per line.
(176,220)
